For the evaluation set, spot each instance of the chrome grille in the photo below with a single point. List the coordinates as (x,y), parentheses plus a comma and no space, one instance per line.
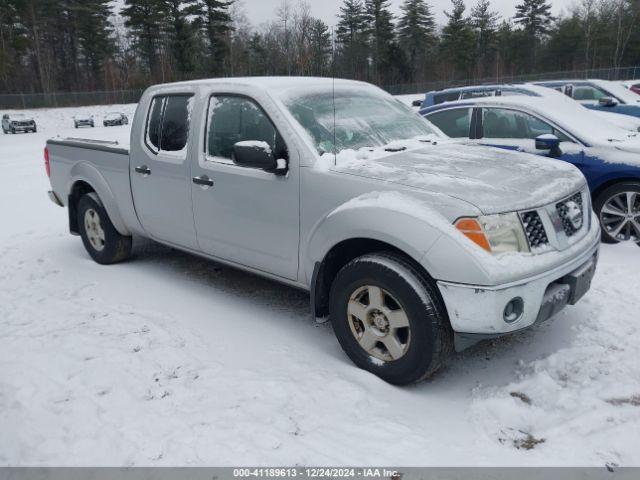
(534,229)
(563,209)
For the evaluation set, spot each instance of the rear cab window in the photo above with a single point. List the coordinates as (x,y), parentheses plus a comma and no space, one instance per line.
(168,123)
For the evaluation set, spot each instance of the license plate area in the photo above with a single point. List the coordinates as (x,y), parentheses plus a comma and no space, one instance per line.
(580,280)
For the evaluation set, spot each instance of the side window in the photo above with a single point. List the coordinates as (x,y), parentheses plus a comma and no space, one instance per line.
(168,123)
(233,119)
(588,93)
(175,123)
(503,123)
(154,122)
(446,97)
(455,122)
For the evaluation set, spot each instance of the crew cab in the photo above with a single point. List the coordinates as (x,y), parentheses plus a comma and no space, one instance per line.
(18,122)
(559,128)
(411,244)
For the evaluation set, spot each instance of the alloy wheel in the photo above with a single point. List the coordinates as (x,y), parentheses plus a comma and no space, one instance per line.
(620,216)
(379,323)
(95,232)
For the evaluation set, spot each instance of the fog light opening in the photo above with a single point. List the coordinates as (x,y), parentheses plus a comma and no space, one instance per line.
(513,310)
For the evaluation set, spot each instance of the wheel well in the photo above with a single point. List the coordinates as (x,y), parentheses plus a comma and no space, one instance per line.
(79,189)
(341,254)
(610,183)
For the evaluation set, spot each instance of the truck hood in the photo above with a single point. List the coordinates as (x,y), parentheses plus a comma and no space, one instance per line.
(491,179)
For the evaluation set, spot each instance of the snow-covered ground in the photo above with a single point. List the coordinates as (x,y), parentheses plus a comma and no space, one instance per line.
(173,360)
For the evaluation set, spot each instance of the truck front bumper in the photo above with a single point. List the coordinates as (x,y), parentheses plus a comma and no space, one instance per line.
(479,312)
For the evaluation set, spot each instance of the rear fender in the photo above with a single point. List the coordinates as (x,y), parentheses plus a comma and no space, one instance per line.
(85,172)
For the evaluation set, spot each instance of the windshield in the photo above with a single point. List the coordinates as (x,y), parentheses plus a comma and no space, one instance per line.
(621,93)
(362,119)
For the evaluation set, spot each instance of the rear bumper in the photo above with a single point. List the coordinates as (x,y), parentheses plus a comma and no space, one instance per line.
(477,312)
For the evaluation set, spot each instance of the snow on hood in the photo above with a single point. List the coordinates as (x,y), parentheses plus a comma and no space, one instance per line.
(630,146)
(494,180)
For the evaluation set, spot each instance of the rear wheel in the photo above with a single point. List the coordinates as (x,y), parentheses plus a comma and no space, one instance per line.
(100,238)
(389,318)
(618,209)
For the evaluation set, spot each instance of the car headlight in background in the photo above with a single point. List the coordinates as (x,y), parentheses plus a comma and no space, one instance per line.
(496,234)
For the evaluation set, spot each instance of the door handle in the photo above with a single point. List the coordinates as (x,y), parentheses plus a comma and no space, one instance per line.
(143,170)
(203,181)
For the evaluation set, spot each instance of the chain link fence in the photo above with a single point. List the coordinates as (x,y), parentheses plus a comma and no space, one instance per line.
(68,99)
(75,99)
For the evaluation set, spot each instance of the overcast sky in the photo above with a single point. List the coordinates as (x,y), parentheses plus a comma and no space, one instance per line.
(259,11)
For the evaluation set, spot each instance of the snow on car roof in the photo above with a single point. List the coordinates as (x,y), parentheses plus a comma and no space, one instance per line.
(562,111)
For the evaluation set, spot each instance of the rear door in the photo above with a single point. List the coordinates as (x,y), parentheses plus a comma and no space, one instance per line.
(160,172)
(246,215)
(454,122)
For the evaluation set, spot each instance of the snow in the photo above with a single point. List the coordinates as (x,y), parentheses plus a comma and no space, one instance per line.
(173,360)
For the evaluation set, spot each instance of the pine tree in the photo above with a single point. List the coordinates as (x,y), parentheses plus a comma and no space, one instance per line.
(416,32)
(380,29)
(352,38)
(458,40)
(534,16)
(216,23)
(485,25)
(320,47)
(181,34)
(94,35)
(145,19)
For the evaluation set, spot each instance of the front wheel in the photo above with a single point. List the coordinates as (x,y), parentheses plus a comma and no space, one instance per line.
(100,238)
(618,209)
(389,318)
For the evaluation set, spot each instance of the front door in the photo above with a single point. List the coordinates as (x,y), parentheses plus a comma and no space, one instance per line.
(160,172)
(245,215)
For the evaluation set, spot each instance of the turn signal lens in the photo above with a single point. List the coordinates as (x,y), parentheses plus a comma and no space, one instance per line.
(471,228)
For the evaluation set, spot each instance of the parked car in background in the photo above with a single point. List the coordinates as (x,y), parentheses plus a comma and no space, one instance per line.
(411,243)
(18,122)
(115,118)
(599,95)
(633,85)
(83,120)
(609,157)
(480,91)
(436,97)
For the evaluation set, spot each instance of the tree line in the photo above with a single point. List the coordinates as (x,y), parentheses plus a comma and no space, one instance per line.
(83,45)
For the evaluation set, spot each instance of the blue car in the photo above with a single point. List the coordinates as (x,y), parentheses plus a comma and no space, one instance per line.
(437,97)
(599,95)
(609,157)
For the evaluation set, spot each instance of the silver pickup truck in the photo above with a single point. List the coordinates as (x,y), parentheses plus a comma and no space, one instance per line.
(412,245)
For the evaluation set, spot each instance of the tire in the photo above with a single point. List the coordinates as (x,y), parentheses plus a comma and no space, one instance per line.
(418,349)
(13,131)
(616,197)
(105,245)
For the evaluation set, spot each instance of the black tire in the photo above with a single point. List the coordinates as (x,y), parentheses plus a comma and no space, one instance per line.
(13,131)
(116,247)
(604,197)
(431,337)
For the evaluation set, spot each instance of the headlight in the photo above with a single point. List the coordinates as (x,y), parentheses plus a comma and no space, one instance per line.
(495,233)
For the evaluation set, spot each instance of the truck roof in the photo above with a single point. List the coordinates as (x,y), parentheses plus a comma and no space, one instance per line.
(268,83)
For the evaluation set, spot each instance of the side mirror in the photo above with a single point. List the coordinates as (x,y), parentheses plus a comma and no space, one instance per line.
(417,103)
(607,102)
(549,142)
(256,154)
